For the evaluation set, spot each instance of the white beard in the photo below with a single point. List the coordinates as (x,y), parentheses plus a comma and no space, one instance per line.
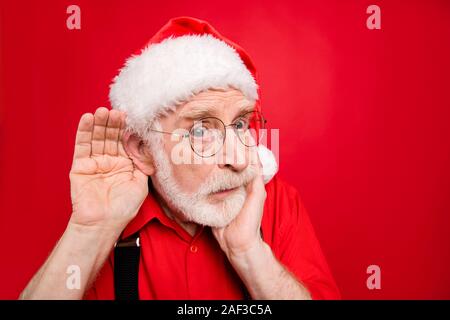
(196,207)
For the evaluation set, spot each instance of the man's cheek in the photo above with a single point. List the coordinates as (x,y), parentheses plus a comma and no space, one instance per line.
(186,178)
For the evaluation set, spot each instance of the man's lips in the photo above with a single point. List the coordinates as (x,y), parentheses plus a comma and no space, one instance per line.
(223,193)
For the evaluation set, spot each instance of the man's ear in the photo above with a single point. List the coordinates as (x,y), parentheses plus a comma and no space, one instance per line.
(138,152)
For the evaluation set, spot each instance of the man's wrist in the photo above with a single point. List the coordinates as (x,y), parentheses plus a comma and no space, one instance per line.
(94,231)
(252,256)
(93,239)
(89,246)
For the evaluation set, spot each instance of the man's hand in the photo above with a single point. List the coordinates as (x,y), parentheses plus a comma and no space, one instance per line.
(107,189)
(243,233)
(263,275)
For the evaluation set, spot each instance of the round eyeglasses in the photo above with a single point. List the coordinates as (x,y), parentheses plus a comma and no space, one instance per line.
(207,135)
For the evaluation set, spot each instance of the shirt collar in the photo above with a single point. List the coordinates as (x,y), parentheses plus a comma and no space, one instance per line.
(151,209)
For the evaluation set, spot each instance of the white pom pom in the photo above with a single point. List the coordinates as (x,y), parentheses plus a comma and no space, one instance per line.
(269,164)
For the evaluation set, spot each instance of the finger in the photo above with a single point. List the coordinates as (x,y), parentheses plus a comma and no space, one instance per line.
(255,161)
(112,133)
(84,136)
(260,166)
(99,132)
(253,207)
(122,151)
(256,189)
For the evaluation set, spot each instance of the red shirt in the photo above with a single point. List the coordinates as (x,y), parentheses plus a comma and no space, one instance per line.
(175,265)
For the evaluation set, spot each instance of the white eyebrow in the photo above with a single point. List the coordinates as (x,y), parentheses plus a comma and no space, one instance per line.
(204,110)
(198,111)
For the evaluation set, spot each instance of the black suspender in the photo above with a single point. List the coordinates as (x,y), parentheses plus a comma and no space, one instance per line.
(126,268)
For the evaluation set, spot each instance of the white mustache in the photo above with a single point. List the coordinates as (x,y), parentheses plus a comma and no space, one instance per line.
(220,181)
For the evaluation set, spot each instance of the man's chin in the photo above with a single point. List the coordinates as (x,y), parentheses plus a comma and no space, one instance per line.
(219,213)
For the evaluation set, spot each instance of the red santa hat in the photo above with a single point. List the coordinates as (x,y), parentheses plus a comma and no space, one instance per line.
(185,57)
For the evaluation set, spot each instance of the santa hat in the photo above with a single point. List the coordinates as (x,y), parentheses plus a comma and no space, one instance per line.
(185,57)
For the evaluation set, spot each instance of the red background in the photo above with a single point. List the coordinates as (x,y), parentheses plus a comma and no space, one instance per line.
(363,118)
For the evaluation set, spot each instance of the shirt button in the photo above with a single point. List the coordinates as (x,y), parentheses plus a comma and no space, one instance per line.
(194,248)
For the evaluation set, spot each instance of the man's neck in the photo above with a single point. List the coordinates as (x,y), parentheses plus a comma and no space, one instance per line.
(190,227)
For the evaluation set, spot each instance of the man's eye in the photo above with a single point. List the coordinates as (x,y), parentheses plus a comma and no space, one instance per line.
(199,132)
(241,124)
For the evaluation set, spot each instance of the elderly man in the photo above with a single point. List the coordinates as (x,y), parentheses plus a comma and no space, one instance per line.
(168,188)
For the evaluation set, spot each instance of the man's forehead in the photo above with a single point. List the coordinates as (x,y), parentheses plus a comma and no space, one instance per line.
(215,102)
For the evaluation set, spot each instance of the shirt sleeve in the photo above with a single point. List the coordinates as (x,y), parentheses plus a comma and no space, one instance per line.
(90,294)
(299,251)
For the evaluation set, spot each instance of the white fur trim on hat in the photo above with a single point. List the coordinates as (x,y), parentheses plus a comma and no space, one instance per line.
(168,73)
(268,162)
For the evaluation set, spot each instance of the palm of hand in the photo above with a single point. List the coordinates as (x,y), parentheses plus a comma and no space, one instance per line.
(106,187)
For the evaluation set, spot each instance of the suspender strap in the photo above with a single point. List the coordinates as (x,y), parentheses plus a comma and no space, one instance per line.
(126,268)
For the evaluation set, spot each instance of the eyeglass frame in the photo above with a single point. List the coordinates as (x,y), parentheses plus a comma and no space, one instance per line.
(187,135)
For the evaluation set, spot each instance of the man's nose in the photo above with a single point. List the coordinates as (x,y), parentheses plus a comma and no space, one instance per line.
(234,154)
